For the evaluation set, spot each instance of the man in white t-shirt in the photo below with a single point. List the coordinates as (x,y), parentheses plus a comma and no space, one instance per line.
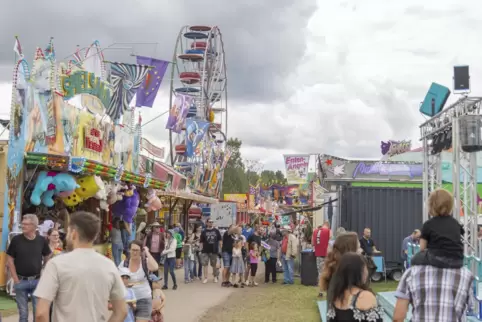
(82,282)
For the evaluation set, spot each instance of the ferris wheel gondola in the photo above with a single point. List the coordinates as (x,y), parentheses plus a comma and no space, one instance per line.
(198,72)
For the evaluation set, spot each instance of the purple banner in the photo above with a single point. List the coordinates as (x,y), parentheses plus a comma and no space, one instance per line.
(146,94)
(178,112)
(388,169)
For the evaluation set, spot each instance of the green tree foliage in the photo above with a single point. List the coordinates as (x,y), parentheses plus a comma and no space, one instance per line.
(237,178)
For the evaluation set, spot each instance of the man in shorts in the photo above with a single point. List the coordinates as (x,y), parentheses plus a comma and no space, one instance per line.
(211,248)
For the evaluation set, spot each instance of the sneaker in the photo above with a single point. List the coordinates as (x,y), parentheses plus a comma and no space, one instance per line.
(186,282)
(205,281)
(246,283)
(235,285)
(200,278)
(255,284)
(223,284)
(174,287)
(215,280)
(164,287)
(242,286)
(274,282)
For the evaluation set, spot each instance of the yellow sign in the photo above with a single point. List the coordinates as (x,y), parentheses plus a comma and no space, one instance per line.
(83,82)
(240,198)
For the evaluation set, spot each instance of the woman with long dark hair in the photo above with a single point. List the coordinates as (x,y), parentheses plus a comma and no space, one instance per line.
(349,296)
(344,243)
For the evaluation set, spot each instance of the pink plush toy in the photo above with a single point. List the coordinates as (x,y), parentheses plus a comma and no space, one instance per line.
(153,201)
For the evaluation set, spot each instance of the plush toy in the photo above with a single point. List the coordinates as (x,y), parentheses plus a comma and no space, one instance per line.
(113,194)
(72,200)
(102,192)
(50,183)
(127,207)
(88,186)
(153,201)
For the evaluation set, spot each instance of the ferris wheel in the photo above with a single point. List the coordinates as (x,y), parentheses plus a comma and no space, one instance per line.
(198,75)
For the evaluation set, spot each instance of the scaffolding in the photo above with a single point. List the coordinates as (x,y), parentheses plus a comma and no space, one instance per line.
(464,167)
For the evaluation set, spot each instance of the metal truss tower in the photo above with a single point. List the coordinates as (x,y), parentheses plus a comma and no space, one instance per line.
(464,167)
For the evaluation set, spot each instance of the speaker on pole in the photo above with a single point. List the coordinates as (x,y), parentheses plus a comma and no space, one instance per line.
(461,79)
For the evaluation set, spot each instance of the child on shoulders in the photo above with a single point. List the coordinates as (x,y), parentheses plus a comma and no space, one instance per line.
(441,240)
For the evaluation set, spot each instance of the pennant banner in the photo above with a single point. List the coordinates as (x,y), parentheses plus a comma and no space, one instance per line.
(125,80)
(152,149)
(297,168)
(195,130)
(178,113)
(146,94)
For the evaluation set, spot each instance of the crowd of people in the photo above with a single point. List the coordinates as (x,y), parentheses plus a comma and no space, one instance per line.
(69,286)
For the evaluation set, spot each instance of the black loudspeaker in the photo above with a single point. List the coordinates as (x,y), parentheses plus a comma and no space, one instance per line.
(470,127)
(461,78)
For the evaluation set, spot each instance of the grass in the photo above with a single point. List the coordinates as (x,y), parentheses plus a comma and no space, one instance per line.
(8,306)
(268,303)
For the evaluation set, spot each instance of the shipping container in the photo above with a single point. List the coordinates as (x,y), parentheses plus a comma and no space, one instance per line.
(391,213)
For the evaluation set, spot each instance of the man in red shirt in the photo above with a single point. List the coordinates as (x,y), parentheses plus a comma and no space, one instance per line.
(321,238)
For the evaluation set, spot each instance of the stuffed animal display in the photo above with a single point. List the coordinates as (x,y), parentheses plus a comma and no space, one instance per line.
(87,188)
(153,201)
(126,208)
(51,183)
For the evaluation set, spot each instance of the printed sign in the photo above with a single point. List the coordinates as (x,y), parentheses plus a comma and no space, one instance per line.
(223,214)
(297,168)
(93,139)
(388,169)
(152,149)
(240,198)
(392,148)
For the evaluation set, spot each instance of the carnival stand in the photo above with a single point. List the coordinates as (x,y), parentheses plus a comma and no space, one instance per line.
(67,147)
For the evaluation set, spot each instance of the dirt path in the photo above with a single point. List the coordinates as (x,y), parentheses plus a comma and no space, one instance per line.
(188,303)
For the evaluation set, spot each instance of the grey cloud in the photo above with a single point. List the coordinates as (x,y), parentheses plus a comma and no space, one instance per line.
(264,41)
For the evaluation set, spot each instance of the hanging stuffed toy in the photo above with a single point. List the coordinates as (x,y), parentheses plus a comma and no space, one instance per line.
(88,186)
(153,201)
(72,200)
(127,207)
(114,194)
(51,183)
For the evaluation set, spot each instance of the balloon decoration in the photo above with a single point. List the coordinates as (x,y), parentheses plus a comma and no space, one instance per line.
(51,183)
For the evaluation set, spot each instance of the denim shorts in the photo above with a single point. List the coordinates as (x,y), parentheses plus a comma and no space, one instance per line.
(144,309)
(227,259)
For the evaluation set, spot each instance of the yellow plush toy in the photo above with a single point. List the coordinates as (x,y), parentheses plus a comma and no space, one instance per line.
(211,116)
(88,187)
(72,200)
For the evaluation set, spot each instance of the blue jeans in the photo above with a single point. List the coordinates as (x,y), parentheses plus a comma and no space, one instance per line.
(188,269)
(289,269)
(22,290)
(169,265)
(117,250)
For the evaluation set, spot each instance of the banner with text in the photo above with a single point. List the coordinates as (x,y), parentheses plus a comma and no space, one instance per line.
(297,168)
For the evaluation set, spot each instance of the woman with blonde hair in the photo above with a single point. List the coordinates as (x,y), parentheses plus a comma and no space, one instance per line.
(344,243)
(441,239)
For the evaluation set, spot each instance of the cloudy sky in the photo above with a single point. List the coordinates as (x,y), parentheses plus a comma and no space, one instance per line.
(305,76)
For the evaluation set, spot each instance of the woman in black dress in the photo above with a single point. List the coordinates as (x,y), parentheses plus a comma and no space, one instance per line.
(349,298)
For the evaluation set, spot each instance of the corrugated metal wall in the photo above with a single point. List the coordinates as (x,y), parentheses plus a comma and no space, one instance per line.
(391,213)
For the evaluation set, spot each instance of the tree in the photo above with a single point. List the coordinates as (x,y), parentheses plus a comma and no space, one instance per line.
(235,180)
(239,174)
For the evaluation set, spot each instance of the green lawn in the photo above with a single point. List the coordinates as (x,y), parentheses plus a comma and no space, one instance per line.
(8,306)
(268,303)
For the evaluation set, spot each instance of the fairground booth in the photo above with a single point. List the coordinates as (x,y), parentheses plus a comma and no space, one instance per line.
(75,144)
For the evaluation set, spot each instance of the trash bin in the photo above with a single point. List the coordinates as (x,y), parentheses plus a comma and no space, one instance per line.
(309,271)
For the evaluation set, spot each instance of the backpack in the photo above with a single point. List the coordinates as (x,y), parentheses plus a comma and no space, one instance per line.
(144,268)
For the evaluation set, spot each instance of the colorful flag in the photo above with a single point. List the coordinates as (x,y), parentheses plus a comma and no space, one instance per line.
(17,48)
(146,94)
(297,168)
(195,130)
(50,51)
(125,80)
(178,113)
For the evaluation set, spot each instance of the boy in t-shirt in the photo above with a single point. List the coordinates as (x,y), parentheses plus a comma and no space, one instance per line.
(441,240)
